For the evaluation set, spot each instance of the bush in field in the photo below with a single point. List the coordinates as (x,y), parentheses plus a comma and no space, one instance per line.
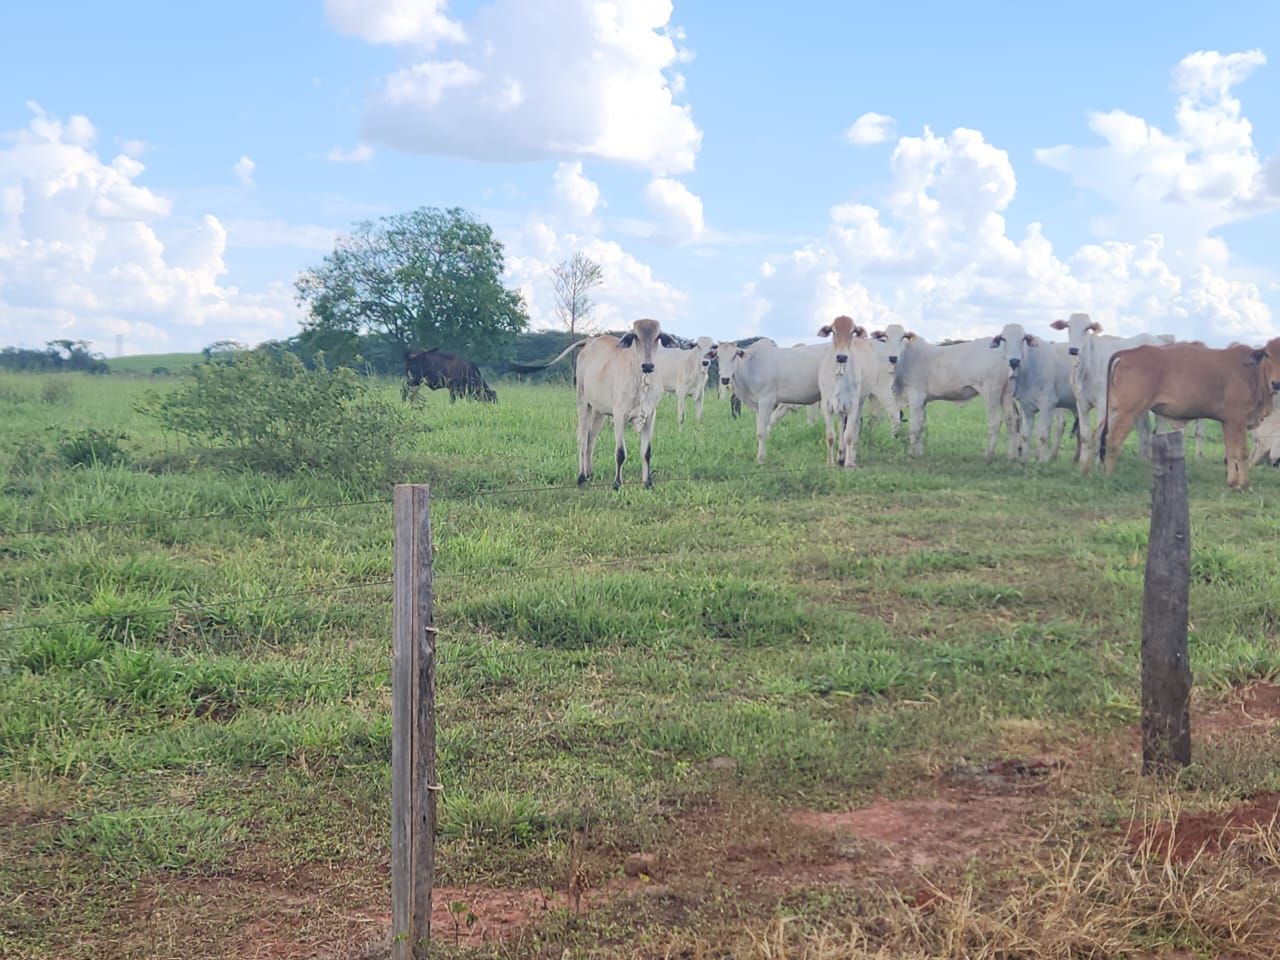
(93,448)
(275,415)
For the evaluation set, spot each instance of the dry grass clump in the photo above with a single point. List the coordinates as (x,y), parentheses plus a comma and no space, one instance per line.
(1078,901)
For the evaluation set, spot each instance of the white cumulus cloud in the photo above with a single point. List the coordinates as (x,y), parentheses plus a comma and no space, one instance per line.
(86,251)
(360,153)
(678,209)
(524,81)
(574,192)
(422,23)
(870,128)
(243,170)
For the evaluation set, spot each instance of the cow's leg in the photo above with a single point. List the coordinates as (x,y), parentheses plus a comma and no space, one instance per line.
(892,410)
(619,449)
(765,415)
(735,406)
(1233,437)
(916,430)
(995,416)
(1144,436)
(1199,439)
(680,408)
(1086,443)
(697,404)
(1259,451)
(646,450)
(1051,435)
(1113,432)
(852,431)
(593,431)
(829,417)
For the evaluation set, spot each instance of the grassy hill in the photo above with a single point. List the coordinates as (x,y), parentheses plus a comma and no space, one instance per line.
(148,362)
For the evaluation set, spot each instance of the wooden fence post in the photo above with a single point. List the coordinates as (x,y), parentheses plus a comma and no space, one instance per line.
(413,733)
(1166,667)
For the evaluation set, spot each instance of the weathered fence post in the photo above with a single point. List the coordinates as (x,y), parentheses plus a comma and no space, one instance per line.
(413,732)
(1166,667)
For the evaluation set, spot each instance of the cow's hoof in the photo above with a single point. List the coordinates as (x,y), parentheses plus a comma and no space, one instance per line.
(648,484)
(582,479)
(617,484)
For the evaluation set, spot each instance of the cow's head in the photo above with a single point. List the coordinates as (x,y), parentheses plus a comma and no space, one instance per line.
(1267,360)
(1078,328)
(842,331)
(894,337)
(706,348)
(644,338)
(1014,341)
(727,355)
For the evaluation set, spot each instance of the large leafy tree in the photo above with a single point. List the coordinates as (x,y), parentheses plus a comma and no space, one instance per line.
(430,278)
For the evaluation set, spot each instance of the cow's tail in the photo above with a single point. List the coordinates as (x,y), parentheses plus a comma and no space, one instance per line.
(535,367)
(1106,412)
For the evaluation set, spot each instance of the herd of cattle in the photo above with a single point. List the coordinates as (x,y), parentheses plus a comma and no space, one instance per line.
(1026,384)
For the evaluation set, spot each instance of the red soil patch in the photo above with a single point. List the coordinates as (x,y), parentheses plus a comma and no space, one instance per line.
(911,834)
(1252,707)
(1211,832)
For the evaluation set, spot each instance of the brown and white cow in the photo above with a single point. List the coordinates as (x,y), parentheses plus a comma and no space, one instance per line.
(616,379)
(848,361)
(1188,381)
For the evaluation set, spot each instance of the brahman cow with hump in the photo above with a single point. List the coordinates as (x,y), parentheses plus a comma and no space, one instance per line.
(1093,353)
(848,360)
(616,377)
(1043,395)
(684,373)
(770,380)
(958,372)
(1188,381)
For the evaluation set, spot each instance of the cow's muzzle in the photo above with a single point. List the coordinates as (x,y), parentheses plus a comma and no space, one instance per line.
(646,368)
(893,359)
(706,363)
(725,381)
(1074,351)
(842,358)
(1014,363)
(1275,386)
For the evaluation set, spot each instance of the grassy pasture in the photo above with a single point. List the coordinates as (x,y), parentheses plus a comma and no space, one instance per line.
(145,363)
(196,714)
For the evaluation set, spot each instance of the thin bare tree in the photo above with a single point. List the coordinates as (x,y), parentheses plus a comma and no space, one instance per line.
(574,280)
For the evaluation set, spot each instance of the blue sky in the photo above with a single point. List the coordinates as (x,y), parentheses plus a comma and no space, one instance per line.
(699,151)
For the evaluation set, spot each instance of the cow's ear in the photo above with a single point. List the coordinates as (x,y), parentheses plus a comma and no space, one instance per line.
(825,331)
(666,340)
(997,340)
(627,340)
(860,332)
(1031,340)
(878,335)
(741,353)
(1096,327)
(909,335)
(1059,325)
(1258,356)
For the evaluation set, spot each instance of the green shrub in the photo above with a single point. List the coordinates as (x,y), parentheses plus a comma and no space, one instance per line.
(275,415)
(93,448)
(55,392)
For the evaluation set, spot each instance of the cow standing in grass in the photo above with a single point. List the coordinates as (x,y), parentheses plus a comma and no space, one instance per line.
(438,369)
(616,377)
(684,373)
(1188,381)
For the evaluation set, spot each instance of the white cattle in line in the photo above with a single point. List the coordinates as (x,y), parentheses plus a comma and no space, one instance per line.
(1093,353)
(958,372)
(878,382)
(615,378)
(1044,396)
(767,377)
(684,373)
(840,384)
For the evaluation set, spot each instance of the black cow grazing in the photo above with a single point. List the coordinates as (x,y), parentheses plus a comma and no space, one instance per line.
(438,369)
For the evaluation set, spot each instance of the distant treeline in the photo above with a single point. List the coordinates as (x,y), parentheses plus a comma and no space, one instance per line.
(57,356)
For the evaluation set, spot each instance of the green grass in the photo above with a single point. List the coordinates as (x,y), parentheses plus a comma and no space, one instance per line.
(833,632)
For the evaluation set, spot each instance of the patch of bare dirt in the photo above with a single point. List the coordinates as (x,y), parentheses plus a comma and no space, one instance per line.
(1252,707)
(1210,832)
(899,835)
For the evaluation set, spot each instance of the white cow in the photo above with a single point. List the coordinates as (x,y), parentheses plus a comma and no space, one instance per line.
(615,378)
(1266,440)
(957,372)
(1093,353)
(684,373)
(766,377)
(840,384)
(1044,396)
(877,384)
